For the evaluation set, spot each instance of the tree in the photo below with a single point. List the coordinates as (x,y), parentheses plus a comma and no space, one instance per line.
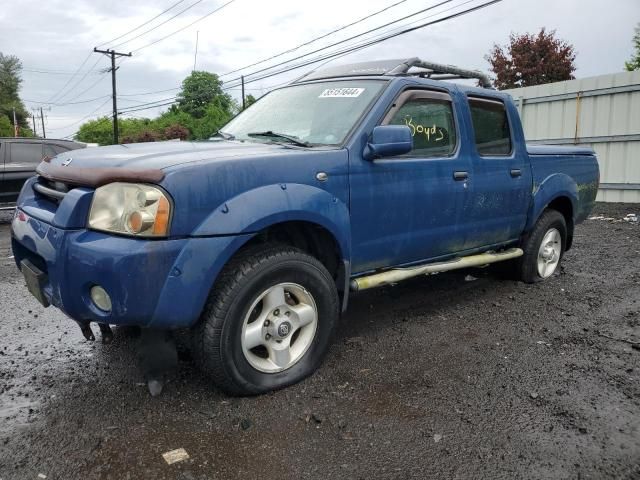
(199,90)
(10,81)
(531,59)
(249,100)
(98,131)
(634,63)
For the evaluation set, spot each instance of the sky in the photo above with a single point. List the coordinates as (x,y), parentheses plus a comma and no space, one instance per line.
(54,39)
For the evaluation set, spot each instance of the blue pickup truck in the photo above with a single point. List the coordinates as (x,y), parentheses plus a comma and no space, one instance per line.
(348,178)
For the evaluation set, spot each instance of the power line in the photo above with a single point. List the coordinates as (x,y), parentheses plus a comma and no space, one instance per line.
(333,55)
(49,72)
(89,100)
(71,78)
(344,27)
(159,25)
(185,27)
(352,37)
(373,42)
(142,24)
(83,118)
(60,97)
(148,93)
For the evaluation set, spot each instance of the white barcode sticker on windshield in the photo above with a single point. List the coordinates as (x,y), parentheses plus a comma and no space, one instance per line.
(341,92)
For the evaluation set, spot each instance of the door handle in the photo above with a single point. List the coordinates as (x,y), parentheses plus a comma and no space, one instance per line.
(458,176)
(516,172)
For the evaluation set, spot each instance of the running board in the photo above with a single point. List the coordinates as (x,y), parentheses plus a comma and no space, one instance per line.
(398,274)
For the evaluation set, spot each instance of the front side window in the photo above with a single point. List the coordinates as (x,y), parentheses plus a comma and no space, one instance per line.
(491,127)
(431,121)
(320,113)
(25,153)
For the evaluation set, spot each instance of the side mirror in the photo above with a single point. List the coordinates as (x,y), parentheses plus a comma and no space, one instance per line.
(389,140)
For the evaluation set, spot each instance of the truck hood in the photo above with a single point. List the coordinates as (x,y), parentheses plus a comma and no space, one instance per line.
(160,155)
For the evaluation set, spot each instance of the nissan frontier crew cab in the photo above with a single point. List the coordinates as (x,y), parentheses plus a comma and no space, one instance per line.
(349,178)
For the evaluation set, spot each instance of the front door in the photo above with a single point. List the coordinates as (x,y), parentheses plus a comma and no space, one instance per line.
(407,208)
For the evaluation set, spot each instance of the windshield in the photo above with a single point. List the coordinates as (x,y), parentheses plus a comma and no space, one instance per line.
(316,113)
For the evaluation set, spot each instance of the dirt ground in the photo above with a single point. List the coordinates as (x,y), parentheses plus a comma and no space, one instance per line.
(439,377)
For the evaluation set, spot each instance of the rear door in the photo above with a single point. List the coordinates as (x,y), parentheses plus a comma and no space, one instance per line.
(20,162)
(501,180)
(407,208)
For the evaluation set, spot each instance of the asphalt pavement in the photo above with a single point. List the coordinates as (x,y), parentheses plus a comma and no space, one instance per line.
(458,375)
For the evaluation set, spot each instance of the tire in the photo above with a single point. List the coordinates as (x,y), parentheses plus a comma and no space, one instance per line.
(539,263)
(246,306)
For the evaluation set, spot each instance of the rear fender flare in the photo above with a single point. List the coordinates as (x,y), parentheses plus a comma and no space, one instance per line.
(554,186)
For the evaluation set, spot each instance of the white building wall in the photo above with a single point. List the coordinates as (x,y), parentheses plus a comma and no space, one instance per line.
(602,112)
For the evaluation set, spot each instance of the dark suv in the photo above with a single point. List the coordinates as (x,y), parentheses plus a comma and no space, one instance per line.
(19,158)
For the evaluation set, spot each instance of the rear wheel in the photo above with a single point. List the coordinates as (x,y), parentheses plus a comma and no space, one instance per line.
(268,321)
(543,248)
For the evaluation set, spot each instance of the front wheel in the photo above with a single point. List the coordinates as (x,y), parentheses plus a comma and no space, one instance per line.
(543,248)
(268,321)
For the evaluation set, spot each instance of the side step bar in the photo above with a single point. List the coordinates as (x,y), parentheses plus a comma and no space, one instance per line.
(398,274)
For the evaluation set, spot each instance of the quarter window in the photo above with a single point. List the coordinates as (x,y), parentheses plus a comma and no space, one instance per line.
(430,118)
(53,150)
(490,126)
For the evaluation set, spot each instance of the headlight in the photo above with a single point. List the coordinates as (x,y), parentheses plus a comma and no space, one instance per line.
(130,209)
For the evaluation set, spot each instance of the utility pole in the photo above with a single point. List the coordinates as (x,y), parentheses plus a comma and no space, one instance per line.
(195,57)
(243,101)
(33,118)
(113,54)
(15,124)
(44,134)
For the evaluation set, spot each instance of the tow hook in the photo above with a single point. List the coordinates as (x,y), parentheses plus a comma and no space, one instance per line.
(105,331)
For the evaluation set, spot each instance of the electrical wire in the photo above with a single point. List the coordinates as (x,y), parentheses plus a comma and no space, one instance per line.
(159,25)
(185,27)
(142,24)
(309,42)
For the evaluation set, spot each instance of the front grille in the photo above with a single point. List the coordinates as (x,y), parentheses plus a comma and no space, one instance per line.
(52,190)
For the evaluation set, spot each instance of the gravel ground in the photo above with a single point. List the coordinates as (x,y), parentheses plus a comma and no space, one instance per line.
(443,377)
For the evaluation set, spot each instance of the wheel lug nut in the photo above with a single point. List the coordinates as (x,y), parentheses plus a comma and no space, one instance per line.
(287,313)
(276,312)
(267,336)
(267,323)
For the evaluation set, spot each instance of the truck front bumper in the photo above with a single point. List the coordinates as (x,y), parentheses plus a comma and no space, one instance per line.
(155,283)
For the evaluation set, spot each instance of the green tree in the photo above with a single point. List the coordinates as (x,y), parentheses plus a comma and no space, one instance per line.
(249,100)
(634,63)
(199,90)
(6,127)
(10,81)
(98,131)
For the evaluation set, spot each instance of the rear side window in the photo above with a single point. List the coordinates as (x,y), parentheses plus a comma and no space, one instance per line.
(491,127)
(25,153)
(430,118)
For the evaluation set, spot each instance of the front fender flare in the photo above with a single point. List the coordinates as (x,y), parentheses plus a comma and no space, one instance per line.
(259,208)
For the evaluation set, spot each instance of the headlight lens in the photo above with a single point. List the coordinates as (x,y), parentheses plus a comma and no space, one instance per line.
(130,209)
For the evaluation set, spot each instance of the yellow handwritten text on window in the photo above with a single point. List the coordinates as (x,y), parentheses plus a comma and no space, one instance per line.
(430,133)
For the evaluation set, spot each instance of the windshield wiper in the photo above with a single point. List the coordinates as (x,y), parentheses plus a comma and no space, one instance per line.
(289,138)
(224,135)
